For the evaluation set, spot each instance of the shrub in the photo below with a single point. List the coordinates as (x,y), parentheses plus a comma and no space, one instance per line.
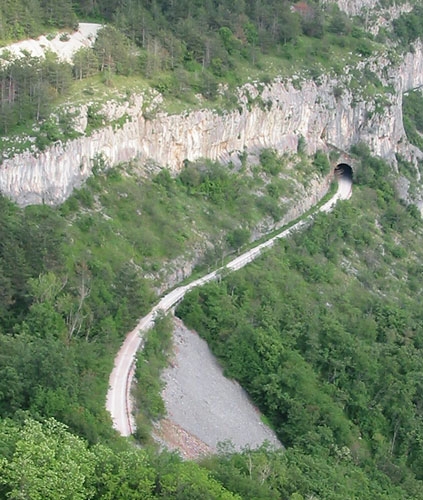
(321,162)
(238,237)
(270,161)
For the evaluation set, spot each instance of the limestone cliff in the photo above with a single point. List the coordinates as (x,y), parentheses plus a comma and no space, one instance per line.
(274,116)
(381,13)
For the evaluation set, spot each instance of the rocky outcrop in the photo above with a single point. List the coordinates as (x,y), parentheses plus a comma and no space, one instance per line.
(353,8)
(63,44)
(371,9)
(325,114)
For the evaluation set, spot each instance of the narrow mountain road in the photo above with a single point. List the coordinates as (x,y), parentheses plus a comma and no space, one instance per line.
(119,403)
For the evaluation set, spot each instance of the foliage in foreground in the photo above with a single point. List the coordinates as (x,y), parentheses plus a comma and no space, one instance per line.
(44,461)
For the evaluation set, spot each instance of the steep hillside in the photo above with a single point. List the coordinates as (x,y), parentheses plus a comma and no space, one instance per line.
(325,333)
(186,131)
(358,97)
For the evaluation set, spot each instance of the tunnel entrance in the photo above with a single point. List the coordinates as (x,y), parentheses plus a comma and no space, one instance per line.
(343,170)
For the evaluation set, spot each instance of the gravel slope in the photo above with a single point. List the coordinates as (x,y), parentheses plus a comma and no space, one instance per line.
(83,37)
(204,407)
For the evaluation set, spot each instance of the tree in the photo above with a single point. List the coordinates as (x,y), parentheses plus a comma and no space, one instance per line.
(47,462)
(339,22)
(85,63)
(112,49)
(311,18)
(58,13)
(188,481)
(127,474)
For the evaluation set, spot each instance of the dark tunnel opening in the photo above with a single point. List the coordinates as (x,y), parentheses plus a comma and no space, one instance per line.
(344,170)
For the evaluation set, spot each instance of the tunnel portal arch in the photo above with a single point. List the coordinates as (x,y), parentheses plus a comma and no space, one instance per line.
(343,170)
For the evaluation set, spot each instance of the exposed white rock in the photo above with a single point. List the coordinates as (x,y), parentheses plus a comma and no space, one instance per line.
(281,114)
(366,8)
(63,44)
(353,8)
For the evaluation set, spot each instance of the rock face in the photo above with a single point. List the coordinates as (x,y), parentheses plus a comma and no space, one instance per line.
(63,44)
(353,8)
(273,116)
(365,7)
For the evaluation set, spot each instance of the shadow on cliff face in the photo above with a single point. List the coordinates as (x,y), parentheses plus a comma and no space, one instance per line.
(343,170)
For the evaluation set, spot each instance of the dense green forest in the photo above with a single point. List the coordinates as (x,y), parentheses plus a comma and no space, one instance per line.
(325,334)
(324,331)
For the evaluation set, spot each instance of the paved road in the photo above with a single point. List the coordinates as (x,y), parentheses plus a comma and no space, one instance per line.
(119,403)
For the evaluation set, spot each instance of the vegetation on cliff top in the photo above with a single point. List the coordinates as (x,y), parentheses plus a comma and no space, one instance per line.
(182,49)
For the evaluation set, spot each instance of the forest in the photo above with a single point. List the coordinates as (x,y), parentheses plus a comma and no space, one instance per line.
(324,331)
(180,48)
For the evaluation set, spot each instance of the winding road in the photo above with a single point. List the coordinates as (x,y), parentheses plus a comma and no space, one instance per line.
(119,403)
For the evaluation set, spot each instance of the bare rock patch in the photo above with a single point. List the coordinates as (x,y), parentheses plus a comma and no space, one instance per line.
(204,408)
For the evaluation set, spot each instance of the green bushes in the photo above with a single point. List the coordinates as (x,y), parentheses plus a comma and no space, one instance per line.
(232,191)
(413,117)
(321,162)
(320,344)
(374,172)
(150,363)
(407,27)
(238,237)
(270,161)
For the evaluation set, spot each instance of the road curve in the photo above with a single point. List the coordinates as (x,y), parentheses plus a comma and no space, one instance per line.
(119,403)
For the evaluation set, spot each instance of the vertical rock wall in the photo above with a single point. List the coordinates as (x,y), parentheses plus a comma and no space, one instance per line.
(276,117)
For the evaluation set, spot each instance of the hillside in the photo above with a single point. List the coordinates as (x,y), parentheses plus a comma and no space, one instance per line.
(182,134)
(325,335)
(125,112)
